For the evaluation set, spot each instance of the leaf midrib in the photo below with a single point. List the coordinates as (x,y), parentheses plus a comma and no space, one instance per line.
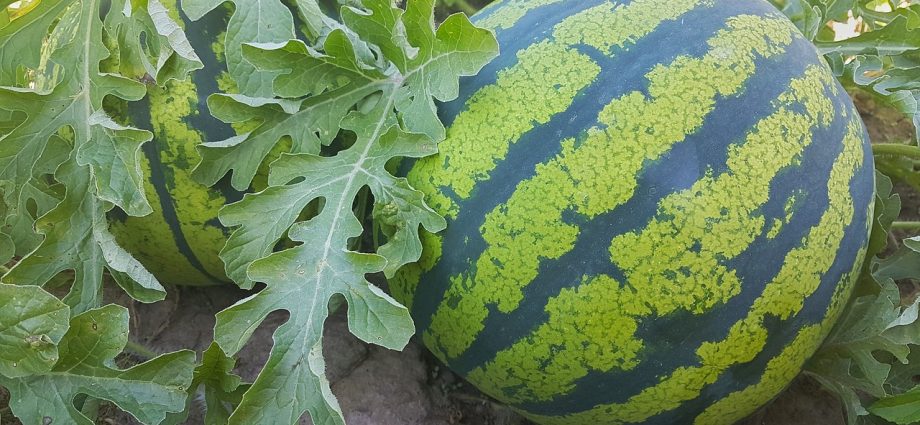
(333,228)
(358,166)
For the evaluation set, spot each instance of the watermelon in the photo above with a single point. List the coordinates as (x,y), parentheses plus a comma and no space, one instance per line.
(180,241)
(656,211)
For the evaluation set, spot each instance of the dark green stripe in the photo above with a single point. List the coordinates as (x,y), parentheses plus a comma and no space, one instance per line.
(781,333)
(202,34)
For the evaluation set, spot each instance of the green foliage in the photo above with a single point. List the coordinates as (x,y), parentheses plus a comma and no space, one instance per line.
(65,163)
(884,60)
(214,376)
(32,323)
(885,362)
(900,409)
(148,391)
(376,77)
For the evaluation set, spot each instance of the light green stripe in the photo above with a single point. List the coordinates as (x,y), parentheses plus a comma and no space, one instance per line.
(509,12)
(782,369)
(677,260)
(406,280)
(601,26)
(525,96)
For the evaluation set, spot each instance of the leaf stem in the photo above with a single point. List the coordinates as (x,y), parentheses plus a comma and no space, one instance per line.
(905,225)
(891,168)
(465,7)
(140,350)
(897,149)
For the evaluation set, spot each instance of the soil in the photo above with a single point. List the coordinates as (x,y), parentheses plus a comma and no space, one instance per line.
(376,386)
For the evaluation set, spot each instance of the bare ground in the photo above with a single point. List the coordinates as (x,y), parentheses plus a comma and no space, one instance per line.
(376,386)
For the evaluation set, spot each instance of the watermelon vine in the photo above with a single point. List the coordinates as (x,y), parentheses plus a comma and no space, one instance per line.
(386,100)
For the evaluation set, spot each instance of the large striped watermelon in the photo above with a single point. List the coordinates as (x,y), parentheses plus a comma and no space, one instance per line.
(656,211)
(179,242)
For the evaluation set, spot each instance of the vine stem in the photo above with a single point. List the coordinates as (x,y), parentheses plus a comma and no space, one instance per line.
(905,225)
(898,149)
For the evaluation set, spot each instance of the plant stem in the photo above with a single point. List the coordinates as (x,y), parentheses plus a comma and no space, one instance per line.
(465,7)
(890,168)
(897,149)
(905,225)
(140,350)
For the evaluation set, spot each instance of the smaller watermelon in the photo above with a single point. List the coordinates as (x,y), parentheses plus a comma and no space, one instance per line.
(179,242)
(656,211)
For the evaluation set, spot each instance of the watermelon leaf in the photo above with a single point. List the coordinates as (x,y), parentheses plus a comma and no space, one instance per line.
(147,391)
(220,386)
(32,323)
(886,209)
(900,409)
(846,364)
(900,406)
(385,101)
(406,94)
(63,153)
(64,163)
(268,21)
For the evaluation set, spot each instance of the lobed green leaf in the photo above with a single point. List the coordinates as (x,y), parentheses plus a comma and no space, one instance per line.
(265,21)
(63,161)
(901,409)
(385,100)
(32,323)
(147,391)
(214,376)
